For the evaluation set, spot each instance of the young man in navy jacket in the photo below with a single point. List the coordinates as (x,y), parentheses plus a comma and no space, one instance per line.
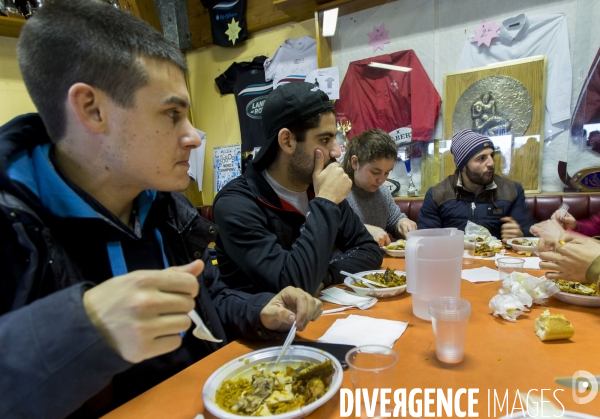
(475,193)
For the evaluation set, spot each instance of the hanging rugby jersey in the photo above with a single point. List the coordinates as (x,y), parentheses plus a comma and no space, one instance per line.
(247,81)
(292,61)
(227,21)
(378,98)
(527,36)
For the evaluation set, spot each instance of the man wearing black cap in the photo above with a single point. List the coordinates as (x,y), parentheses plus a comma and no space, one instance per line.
(475,193)
(280,221)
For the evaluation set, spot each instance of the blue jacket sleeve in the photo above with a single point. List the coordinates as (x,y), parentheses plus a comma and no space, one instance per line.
(359,252)
(53,358)
(429,215)
(238,312)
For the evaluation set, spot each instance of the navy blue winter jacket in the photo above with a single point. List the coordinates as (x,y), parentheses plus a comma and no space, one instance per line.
(449,205)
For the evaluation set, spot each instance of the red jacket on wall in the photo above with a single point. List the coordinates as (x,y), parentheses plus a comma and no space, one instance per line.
(388,99)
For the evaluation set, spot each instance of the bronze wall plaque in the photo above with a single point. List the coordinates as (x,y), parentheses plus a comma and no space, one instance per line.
(494,105)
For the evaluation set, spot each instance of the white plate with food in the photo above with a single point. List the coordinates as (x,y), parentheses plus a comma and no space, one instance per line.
(299,367)
(378,276)
(577,293)
(525,246)
(395,249)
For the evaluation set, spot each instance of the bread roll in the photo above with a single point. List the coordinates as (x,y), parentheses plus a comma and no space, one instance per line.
(553,327)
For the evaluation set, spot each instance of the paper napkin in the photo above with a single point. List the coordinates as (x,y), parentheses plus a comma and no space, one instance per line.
(361,330)
(338,296)
(483,274)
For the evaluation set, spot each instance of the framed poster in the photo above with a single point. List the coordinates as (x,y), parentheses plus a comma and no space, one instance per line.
(227,165)
(505,102)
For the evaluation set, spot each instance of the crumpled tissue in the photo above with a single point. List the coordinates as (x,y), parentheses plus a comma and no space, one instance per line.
(507,306)
(519,291)
(473,230)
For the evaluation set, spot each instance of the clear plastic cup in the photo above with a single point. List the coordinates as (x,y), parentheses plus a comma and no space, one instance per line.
(508,265)
(449,318)
(469,251)
(372,367)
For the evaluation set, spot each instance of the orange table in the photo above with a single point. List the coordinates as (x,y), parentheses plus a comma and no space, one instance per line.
(499,355)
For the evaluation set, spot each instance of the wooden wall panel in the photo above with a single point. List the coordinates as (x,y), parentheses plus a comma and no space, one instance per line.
(264,14)
(144,9)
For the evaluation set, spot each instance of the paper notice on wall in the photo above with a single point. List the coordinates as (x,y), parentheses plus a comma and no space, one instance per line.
(227,165)
(326,79)
(196,170)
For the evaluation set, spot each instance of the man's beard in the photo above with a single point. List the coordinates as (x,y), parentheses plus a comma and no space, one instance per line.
(479,178)
(302,166)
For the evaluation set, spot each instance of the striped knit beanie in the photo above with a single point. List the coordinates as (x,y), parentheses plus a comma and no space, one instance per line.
(465,144)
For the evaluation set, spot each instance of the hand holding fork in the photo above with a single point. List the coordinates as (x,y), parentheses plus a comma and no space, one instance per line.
(562,216)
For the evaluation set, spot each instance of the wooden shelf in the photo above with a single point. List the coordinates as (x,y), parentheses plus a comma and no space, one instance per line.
(10,26)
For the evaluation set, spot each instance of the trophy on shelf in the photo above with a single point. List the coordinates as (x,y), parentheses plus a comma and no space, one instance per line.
(343,125)
(404,153)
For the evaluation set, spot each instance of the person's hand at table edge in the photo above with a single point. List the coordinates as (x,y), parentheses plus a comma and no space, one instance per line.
(510,229)
(549,243)
(406,225)
(291,304)
(573,258)
(547,228)
(567,222)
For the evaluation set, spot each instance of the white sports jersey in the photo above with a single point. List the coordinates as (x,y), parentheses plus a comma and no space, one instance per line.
(520,37)
(295,58)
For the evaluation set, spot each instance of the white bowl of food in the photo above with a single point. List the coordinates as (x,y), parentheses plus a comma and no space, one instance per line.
(229,390)
(577,293)
(525,246)
(395,249)
(378,276)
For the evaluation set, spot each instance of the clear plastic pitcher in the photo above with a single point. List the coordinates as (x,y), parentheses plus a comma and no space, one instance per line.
(433,266)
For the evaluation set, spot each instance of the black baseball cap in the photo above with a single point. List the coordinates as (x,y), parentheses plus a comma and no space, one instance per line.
(286,106)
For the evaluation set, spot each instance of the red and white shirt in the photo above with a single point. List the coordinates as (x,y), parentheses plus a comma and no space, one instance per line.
(387,99)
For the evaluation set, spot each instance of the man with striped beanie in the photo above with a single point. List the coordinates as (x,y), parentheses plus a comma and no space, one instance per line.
(475,193)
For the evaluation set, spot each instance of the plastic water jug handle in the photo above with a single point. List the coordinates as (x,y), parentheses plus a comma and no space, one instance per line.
(412,247)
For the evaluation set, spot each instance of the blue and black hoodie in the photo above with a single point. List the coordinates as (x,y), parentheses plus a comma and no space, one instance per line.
(56,242)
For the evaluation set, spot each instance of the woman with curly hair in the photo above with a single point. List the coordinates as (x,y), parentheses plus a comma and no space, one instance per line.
(368,161)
